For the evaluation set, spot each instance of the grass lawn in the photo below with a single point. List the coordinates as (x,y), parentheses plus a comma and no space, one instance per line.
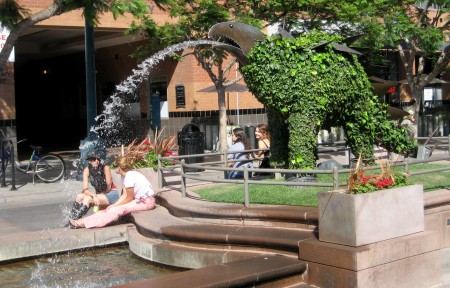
(307,196)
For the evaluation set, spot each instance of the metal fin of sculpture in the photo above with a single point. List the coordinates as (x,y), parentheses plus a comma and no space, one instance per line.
(352,39)
(346,49)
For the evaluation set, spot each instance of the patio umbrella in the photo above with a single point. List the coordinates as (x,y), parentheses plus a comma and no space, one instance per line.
(235,87)
(381,86)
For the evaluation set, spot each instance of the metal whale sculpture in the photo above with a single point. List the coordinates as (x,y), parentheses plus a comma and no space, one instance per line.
(346,103)
(246,36)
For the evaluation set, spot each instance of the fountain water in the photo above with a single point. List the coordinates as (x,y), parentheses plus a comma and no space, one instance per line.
(105,267)
(113,127)
(110,121)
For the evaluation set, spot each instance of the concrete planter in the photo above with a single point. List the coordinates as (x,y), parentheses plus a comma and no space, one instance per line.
(361,219)
(149,173)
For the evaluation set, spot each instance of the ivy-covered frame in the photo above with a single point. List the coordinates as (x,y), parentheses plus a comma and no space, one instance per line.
(307,86)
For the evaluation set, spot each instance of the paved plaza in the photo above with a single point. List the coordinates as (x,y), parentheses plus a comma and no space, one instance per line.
(33,210)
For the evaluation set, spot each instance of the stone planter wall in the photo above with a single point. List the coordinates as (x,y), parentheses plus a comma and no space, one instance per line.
(361,219)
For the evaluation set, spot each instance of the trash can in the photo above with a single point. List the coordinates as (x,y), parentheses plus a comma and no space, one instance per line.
(191,141)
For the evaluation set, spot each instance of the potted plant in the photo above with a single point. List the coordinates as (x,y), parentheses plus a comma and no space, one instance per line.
(374,207)
(148,151)
(145,155)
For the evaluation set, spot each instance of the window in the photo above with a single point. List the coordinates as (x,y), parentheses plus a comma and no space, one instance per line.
(159,86)
(180,96)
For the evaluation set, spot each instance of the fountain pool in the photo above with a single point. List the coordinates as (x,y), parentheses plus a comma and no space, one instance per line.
(104,267)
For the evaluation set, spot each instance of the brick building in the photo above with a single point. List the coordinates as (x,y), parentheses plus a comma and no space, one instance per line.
(45,87)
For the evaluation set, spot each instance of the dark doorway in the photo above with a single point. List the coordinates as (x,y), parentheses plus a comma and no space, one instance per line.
(51,102)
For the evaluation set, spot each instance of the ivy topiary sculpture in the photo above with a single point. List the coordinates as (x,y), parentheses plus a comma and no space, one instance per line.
(311,83)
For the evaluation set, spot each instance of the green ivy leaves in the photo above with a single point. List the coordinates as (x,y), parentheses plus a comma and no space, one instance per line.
(314,86)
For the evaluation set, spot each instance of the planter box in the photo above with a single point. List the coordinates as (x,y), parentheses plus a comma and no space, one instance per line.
(149,173)
(361,219)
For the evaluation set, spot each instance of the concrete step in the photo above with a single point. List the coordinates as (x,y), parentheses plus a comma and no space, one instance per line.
(196,209)
(261,271)
(228,245)
(160,224)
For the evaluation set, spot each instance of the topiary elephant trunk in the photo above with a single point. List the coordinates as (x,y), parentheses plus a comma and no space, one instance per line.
(311,83)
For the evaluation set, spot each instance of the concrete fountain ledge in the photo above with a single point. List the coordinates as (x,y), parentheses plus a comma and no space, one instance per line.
(34,244)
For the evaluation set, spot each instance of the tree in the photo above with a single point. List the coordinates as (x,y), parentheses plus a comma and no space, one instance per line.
(194,18)
(17,18)
(415,30)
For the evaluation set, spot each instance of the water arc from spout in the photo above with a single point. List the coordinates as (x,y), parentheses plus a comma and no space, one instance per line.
(109,119)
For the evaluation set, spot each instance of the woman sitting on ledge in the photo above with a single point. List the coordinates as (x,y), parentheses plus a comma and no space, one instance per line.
(137,195)
(240,143)
(99,175)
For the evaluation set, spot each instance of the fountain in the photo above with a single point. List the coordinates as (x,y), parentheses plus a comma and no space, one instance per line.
(236,234)
(111,122)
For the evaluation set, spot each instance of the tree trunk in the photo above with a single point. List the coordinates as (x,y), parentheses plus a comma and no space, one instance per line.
(222,119)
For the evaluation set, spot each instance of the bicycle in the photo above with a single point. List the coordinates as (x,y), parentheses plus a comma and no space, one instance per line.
(48,168)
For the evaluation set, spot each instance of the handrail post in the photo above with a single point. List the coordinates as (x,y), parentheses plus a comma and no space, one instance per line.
(13,170)
(449,144)
(160,174)
(225,157)
(349,157)
(246,194)
(406,168)
(3,164)
(183,180)
(335,178)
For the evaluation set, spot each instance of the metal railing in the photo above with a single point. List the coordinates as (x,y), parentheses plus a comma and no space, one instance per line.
(220,165)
